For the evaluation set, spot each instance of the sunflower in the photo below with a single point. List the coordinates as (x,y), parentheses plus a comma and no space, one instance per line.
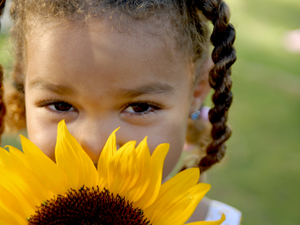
(121,190)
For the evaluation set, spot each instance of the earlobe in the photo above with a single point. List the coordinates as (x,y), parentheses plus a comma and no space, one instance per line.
(202,87)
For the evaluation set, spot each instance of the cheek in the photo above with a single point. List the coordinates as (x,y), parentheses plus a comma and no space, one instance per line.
(41,133)
(176,146)
(172,132)
(44,138)
(173,156)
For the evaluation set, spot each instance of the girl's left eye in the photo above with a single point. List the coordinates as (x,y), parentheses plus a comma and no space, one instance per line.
(141,108)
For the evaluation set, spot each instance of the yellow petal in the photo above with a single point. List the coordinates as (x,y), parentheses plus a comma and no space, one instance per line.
(46,171)
(218,222)
(23,193)
(73,160)
(110,148)
(6,160)
(10,201)
(142,183)
(8,217)
(156,165)
(179,183)
(177,210)
(13,165)
(16,153)
(178,189)
(123,169)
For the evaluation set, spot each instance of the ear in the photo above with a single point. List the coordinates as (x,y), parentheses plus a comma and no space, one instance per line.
(201,87)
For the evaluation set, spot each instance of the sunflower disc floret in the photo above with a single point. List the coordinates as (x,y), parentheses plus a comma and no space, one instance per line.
(88,206)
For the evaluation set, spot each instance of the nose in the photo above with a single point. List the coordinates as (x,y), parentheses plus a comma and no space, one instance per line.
(92,136)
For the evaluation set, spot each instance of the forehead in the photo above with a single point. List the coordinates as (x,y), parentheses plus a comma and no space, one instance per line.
(104,55)
(152,31)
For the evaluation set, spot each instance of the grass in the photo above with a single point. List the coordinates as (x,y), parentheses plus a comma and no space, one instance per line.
(260,175)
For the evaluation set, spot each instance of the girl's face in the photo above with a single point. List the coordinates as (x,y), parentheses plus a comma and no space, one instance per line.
(98,80)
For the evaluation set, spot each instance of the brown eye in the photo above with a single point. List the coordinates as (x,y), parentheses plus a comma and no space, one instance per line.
(62,106)
(140,107)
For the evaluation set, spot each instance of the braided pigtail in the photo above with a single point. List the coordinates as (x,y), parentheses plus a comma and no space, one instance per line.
(223,56)
(2,106)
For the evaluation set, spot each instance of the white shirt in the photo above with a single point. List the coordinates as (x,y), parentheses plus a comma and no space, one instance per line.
(216,209)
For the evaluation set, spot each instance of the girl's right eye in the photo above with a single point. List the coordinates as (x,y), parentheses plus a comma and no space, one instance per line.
(58,106)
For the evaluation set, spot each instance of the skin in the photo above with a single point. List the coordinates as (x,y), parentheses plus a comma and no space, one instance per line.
(101,79)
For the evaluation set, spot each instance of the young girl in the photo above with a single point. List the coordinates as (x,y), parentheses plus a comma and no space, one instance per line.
(141,65)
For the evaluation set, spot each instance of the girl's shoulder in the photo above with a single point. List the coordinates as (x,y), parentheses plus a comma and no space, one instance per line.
(216,209)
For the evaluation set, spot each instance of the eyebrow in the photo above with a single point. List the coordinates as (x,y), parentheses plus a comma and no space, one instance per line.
(152,88)
(42,84)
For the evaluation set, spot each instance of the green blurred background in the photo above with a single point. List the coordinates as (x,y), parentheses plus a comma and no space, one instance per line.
(261,172)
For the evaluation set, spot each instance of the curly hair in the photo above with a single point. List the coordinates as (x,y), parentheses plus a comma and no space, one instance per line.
(189,23)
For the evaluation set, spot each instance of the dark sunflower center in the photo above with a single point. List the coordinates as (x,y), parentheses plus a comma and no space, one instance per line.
(88,206)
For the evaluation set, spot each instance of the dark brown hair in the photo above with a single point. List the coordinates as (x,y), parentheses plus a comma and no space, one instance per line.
(2,106)
(189,22)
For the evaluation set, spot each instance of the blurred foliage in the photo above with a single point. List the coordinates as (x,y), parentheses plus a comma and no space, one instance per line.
(6,57)
(260,175)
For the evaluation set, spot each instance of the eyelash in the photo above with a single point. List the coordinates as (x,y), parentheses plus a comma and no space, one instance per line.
(153,105)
